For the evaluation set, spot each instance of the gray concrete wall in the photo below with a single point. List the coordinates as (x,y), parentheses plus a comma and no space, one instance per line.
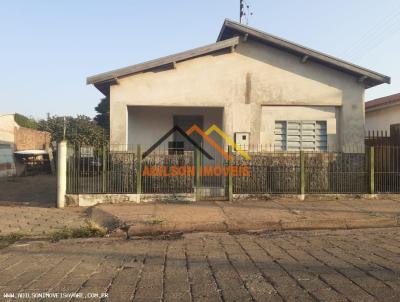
(242,82)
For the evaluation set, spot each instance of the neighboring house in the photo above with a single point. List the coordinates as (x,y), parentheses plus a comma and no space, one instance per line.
(20,141)
(258,88)
(7,145)
(381,113)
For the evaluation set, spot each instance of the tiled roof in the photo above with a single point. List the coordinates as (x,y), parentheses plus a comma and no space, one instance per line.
(386,100)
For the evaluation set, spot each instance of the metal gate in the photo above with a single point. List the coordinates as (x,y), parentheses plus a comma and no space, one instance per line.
(212,179)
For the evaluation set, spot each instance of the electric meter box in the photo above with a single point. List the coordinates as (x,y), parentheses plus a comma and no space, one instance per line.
(242,140)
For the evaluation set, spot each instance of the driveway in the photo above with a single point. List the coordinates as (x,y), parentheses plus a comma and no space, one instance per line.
(352,265)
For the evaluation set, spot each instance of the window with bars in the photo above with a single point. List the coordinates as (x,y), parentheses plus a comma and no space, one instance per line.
(300,135)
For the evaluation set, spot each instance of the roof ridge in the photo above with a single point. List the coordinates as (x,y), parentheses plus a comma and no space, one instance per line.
(298,48)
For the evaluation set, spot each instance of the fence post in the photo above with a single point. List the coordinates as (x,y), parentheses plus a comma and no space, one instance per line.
(230,178)
(138,169)
(372,170)
(197,176)
(104,169)
(61,173)
(302,176)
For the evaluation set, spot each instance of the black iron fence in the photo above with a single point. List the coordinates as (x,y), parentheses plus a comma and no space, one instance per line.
(111,169)
(269,172)
(386,169)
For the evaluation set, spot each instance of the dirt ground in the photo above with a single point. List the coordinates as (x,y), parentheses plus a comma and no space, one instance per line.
(33,191)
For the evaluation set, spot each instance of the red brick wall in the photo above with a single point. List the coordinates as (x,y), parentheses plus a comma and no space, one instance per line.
(29,139)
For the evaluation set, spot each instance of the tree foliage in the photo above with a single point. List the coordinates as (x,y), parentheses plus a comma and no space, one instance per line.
(80,129)
(103,114)
(24,121)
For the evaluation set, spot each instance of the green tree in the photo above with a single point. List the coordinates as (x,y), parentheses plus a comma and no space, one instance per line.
(103,114)
(27,122)
(80,129)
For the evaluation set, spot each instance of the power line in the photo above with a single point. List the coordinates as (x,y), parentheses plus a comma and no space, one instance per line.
(375,35)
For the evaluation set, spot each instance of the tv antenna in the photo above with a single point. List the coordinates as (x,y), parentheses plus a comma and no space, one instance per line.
(245,12)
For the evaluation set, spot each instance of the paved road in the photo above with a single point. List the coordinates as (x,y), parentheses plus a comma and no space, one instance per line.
(359,265)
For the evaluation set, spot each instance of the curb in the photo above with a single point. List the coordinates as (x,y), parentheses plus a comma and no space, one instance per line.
(148,230)
(104,218)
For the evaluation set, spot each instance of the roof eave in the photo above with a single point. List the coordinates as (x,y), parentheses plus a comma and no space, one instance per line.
(381,106)
(371,78)
(114,75)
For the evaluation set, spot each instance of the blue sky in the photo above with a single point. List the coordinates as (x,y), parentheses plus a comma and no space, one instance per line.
(48,48)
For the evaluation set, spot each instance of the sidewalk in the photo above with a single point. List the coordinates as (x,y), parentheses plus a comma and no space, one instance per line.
(27,208)
(249,215)
(38,222)
(238,216)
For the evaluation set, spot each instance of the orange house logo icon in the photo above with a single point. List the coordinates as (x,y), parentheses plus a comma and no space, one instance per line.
(226,138)
(210,170)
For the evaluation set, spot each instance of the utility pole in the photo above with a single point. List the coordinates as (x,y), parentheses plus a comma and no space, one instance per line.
(64,127)
(242,12)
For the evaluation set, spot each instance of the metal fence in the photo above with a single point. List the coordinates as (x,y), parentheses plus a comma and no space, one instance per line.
(329,172)
(111,169)
(386,169)
(165,181)
(270,172)
(97,169)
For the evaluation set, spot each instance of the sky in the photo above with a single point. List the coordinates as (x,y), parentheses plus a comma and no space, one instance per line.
(48,48)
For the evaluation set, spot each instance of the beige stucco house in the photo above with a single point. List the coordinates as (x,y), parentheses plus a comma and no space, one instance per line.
(381,113)
(259,88)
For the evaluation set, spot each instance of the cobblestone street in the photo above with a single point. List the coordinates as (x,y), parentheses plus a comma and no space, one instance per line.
(354,265)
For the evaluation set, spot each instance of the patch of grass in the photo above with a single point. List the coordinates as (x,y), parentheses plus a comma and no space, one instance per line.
(6,240)
(12,237)
(155,220)
(91,230)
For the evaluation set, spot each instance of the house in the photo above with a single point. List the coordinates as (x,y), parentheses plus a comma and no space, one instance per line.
(381,113)
(7,143)
(20,145)
(258,88)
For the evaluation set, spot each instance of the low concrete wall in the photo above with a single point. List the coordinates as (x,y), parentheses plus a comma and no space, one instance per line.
(87,200)
(168,197)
